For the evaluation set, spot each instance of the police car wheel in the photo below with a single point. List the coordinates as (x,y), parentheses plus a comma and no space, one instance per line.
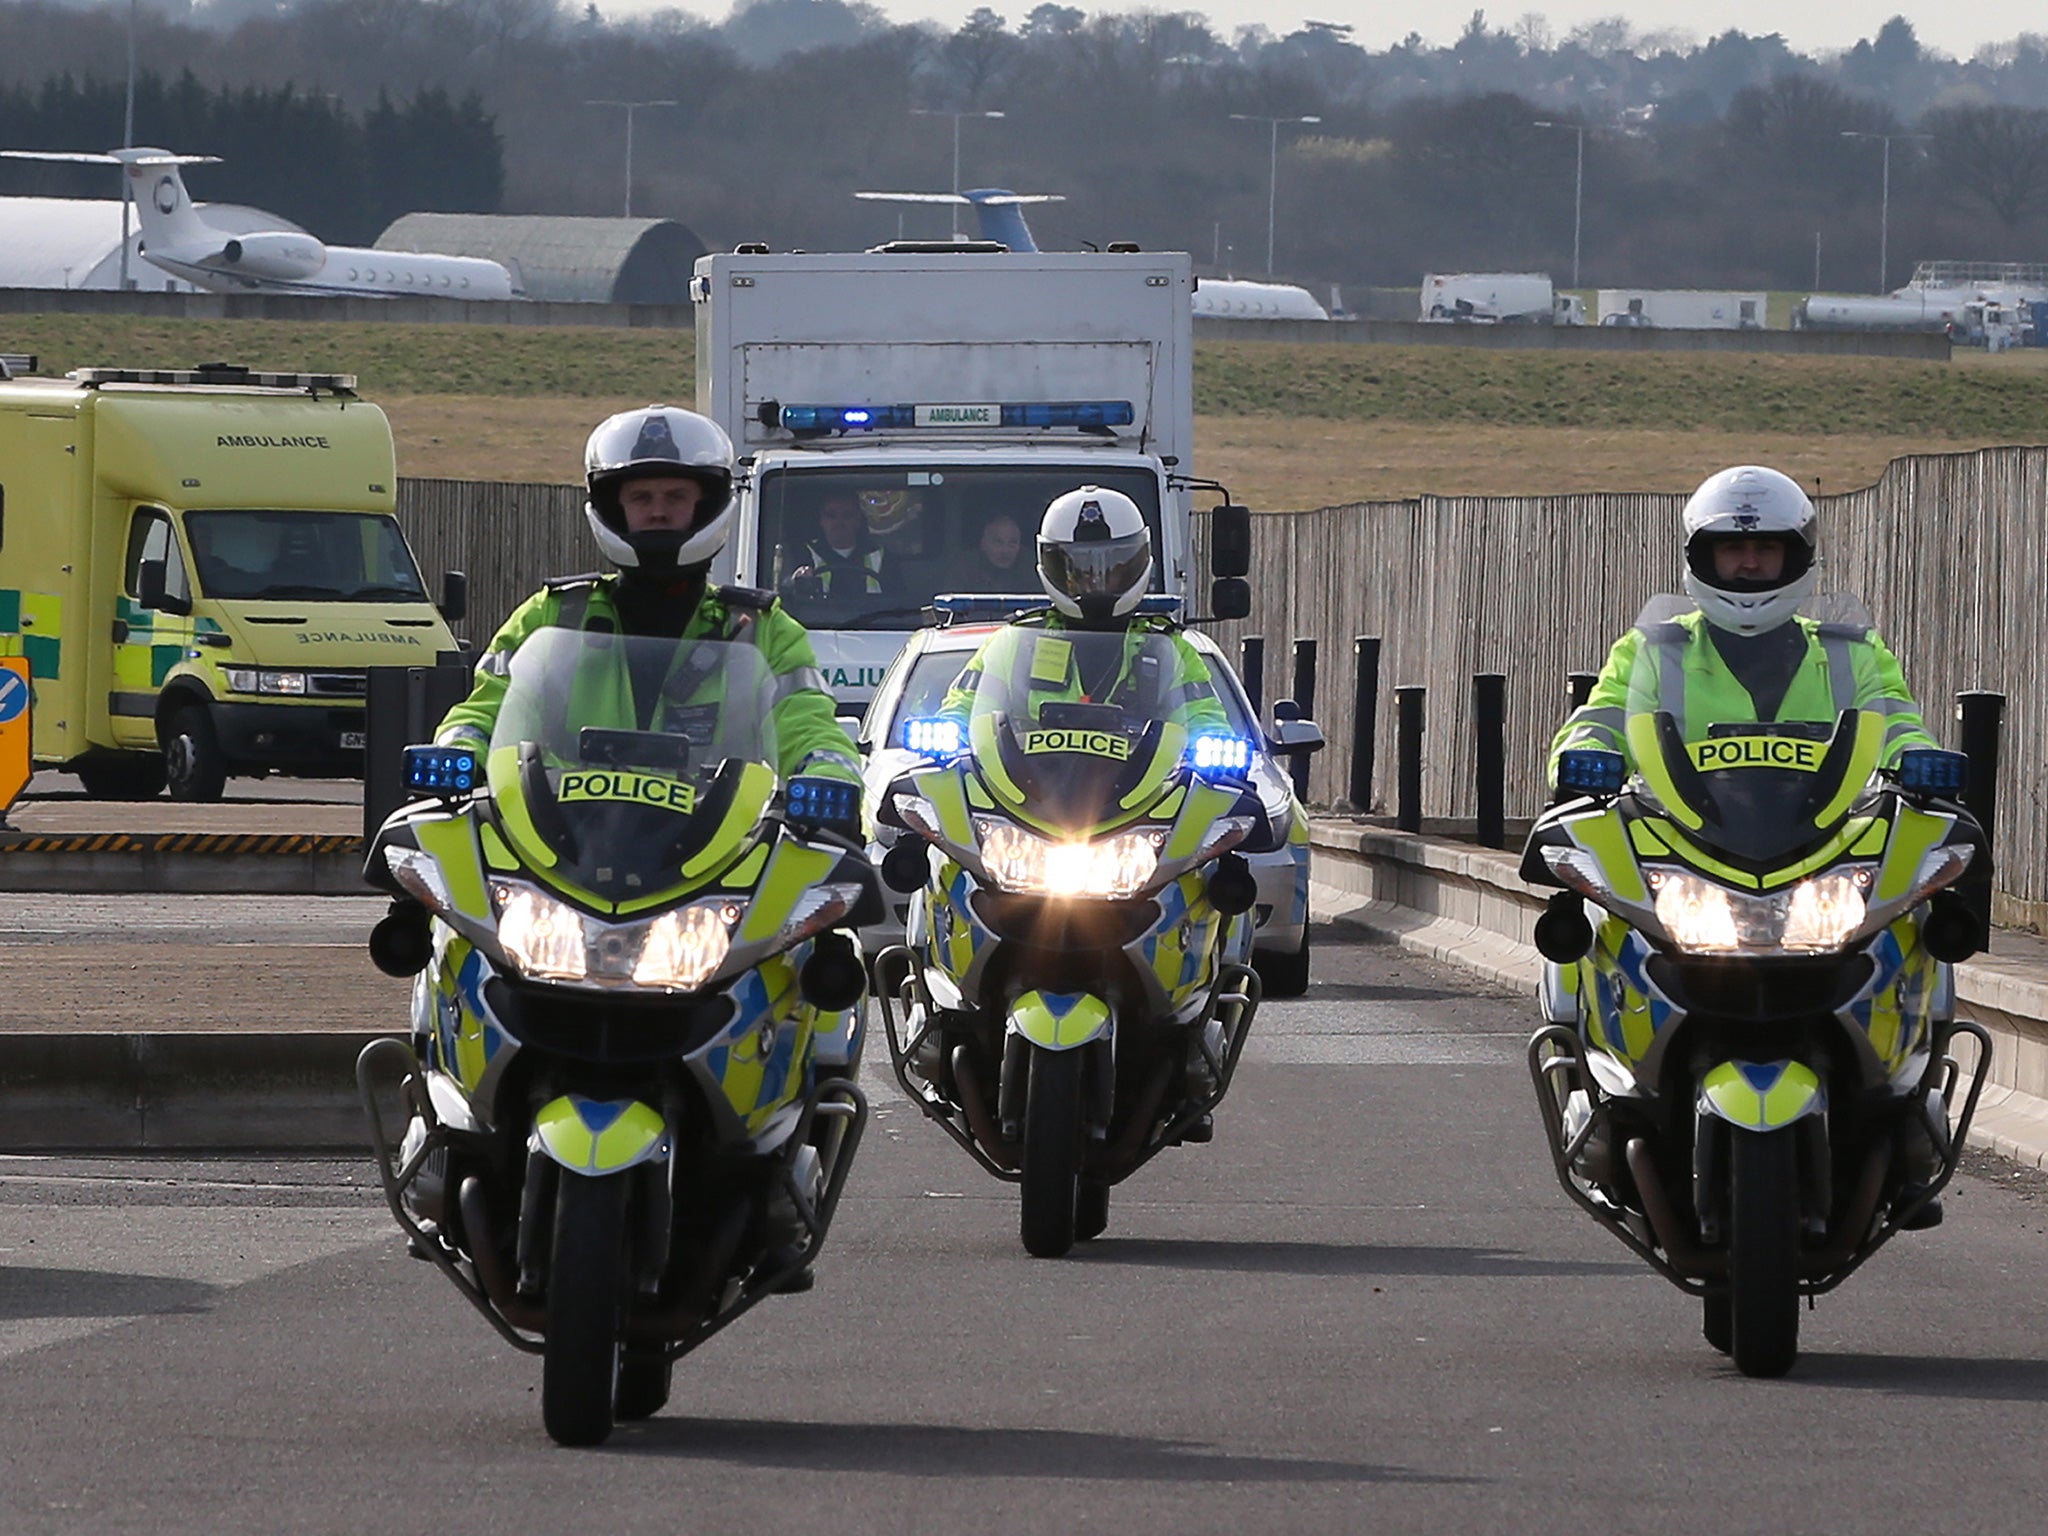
(193,761)
(1282,975)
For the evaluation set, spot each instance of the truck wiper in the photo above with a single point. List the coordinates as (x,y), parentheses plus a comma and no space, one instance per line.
(293,589)
(403,594)
(874,620)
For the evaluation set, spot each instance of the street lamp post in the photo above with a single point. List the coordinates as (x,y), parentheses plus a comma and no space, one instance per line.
(956,116)
(1272,167)
(127,142)
(1884,211)
(630,107)
(1578,186)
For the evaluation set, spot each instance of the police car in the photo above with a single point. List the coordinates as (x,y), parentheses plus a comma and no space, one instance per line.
(915,686)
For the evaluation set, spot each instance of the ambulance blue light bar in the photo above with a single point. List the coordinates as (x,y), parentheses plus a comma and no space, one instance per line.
(1087,414)
(442,771)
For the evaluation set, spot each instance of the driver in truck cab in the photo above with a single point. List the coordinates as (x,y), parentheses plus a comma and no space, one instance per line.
(841,561)
(660,507)
(1095,562)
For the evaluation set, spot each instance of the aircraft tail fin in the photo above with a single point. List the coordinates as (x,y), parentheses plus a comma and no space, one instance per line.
(999,210)
(154,182)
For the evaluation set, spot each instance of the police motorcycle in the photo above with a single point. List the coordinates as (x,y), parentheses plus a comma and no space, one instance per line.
(635,1020)
(1745,1074)
(1075,990)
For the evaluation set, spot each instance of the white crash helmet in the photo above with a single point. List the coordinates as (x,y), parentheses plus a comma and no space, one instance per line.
(1094,553)
(658,440)
(1748,502)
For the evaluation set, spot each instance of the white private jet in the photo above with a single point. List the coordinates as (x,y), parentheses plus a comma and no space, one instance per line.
(177,237)
(1001,214)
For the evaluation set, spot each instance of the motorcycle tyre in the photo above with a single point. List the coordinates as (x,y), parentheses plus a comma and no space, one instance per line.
(1052,1153)
(1091,1210)
(1763,1251)
(586,1279)
(1717,1323)
(644,1382)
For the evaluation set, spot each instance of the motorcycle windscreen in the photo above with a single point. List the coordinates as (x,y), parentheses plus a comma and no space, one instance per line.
(1759,792)
(1084,728)
(627,756)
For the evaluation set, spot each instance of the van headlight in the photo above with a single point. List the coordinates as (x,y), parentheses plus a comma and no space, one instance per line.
(1021,861)
(263,680)
(1819,915)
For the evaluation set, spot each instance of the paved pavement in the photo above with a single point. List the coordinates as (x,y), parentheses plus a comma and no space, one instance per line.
(1365,1307)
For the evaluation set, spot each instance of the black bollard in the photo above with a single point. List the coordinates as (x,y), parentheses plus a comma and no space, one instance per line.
(1251,671)
(1579,686)
(1982,715)
(1305,705)
(1408,756)
(1489,728)
(1365,720)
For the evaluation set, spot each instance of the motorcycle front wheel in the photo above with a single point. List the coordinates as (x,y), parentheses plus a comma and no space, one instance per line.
(586,1278)
(1763,1251)
(1052,1152)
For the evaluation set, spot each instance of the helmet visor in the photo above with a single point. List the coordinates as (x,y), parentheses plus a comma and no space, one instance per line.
(1098,568)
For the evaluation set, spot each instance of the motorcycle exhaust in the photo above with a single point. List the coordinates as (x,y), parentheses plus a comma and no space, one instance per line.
(483,1255)
(1006,1155)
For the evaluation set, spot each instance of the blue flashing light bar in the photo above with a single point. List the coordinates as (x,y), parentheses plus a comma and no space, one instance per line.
(443,771)
(1927,771)
(934,736)
(1087,414)
(1217,753)
(822,802)
(1591,771)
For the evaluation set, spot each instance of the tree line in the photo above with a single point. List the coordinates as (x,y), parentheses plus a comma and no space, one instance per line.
(1733,162)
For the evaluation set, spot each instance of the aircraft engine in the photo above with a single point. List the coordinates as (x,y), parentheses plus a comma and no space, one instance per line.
(272,254)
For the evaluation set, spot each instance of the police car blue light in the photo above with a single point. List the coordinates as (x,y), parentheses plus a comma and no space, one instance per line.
(933,736)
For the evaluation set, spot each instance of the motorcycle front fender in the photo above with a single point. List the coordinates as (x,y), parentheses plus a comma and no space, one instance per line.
(599,1136)
(1761,1096)
(1059,1021)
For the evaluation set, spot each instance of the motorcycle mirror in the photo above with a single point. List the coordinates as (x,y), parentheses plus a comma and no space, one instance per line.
(401,944)
(1952,932)
(1232,886)
(1562,933)
(833,978)
(905,865)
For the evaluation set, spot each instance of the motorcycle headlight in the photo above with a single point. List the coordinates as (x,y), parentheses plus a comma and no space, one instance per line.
(542,936)
(1111,868)
(684,948)
(1816,916)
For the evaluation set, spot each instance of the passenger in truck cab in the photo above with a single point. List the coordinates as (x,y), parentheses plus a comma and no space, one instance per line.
(841,560)
(994,565)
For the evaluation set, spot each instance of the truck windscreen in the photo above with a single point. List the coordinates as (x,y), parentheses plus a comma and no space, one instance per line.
(863,547)
(348,557)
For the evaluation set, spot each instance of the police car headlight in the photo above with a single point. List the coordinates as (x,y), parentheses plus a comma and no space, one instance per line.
(1021,861)
(540,935)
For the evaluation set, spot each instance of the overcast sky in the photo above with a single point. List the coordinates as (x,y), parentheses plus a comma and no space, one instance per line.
(1812,26)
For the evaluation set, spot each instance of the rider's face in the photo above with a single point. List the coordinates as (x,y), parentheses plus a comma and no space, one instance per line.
(1760,559)
(664,501)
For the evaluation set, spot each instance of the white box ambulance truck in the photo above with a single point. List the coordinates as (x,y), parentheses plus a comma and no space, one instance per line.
(199,565)
(904,415)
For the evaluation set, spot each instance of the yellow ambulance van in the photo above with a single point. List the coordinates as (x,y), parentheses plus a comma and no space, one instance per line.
(199,565)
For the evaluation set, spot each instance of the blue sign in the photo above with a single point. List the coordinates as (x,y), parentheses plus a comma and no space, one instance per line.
(14,695)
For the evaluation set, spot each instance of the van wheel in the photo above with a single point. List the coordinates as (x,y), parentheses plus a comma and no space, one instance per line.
(138,777)
(193,763)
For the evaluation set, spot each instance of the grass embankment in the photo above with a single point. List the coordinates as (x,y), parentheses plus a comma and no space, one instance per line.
(1285,426)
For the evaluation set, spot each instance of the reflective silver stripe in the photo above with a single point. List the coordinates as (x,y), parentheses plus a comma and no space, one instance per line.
(835,759)
(787,683)
(1885,705)
(1841,665)
(1903,727)
(495,664)
(463,736)
(1590,733)
(1671,678)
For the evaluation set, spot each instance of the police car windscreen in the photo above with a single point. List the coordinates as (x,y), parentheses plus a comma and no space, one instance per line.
(853,547)
(347,557)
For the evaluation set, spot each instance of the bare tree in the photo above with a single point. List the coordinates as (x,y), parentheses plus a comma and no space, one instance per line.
(1997,155)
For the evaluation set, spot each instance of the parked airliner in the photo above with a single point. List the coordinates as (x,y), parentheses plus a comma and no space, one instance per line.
(1001,213)
(177,238)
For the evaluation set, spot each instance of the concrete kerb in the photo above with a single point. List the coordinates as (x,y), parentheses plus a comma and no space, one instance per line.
(159,1092)
(1467,905)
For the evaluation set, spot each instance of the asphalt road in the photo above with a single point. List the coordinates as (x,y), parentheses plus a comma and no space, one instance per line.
(1365,1307)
